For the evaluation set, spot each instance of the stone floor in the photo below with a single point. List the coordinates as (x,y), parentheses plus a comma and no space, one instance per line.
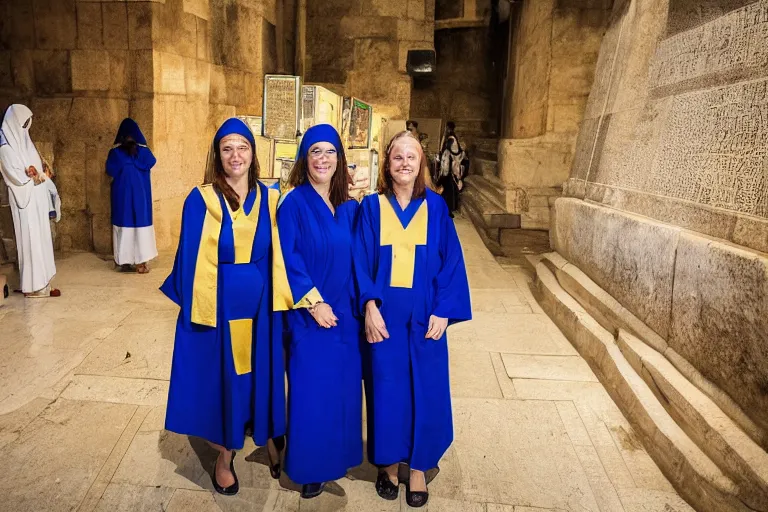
(84,378)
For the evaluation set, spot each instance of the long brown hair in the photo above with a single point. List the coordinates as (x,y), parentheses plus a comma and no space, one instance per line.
(340,181)
(216,175)
(423,179)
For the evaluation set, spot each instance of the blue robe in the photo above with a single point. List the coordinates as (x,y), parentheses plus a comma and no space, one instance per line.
(228,371)
(408,394)
(131,187)
(324,366)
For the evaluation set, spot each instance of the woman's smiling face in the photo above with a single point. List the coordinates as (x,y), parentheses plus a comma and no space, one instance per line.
(322,160)
(236,155)
(405,161)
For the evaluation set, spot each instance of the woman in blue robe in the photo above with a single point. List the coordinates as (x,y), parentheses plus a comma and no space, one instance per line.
(413,284)
(315,285)
(228,373)
(129,165)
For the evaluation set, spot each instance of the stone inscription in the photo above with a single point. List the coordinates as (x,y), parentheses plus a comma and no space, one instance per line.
(713,149)
(280,107)
(734,42)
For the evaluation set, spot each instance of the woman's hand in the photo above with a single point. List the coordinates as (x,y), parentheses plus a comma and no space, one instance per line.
(437,327)
(375,328)
(323,315)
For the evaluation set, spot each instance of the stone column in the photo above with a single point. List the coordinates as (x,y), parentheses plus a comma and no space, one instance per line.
(554,52)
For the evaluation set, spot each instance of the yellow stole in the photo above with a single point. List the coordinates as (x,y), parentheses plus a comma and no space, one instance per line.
(403,241)
(205,284)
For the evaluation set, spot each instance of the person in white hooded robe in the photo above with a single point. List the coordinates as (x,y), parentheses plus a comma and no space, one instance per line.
(22,170)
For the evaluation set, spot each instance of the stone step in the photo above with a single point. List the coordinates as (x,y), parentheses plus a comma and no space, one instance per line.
(489,236)
(521,242)
(489,187)
(691,471)
(492,216)
(712,430)
(483,167)
(615,318)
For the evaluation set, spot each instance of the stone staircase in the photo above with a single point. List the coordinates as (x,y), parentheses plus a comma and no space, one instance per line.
(484,202)
(710,450)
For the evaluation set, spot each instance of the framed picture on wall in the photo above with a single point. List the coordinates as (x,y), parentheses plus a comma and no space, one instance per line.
(282,104)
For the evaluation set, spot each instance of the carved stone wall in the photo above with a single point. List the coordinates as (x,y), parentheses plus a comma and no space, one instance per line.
(676,126)
(676,129)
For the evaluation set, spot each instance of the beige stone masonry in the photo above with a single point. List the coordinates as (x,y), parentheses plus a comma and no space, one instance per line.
(719,436)
(680,459)
(658,273)
(90,70)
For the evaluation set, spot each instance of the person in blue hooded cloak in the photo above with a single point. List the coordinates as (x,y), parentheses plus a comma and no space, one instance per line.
(129,164)
(412,285)
(315,285)
(228,372)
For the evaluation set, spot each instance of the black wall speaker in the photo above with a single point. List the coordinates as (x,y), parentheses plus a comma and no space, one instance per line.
(421,63)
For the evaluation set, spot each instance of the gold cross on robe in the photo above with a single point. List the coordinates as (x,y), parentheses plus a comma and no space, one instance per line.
(403,241)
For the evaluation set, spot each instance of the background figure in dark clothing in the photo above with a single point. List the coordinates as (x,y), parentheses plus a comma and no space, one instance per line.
(451,178)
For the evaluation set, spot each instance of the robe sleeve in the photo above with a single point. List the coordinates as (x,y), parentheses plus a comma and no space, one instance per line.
(366,254)
(303,292)
(13,169)
(179,284)
(114,164)
(145,160)
(55,198)
(452,299)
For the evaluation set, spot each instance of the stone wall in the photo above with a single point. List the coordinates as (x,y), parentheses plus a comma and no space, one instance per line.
(361,47)
(674,131)
(75,65)
(179,67)
(209,59)
(554,50)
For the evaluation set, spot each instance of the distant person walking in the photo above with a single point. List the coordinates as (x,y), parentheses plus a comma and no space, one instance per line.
(451,179)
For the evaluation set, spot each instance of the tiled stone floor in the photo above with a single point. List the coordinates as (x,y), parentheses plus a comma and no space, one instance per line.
(84,378)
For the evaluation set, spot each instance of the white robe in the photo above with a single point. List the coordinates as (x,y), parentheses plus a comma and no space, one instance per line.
(133,245)
(29,203)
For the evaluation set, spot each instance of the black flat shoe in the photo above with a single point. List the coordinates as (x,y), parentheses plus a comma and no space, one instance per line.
(385,488)
(232,489)
(275,470)
(415,499)
(309,491)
